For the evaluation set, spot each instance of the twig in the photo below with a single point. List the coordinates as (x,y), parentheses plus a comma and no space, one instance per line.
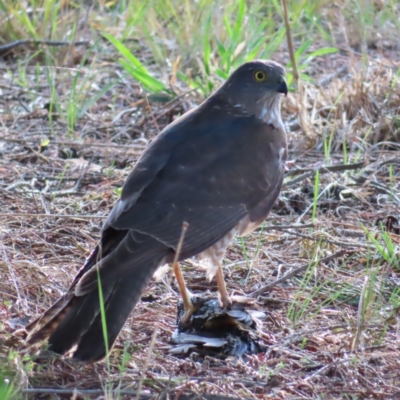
(18,298)
(12,275)
(300,334)
(27,215)
(143,396)
(329,168)
(147,362)
(85,144)
(386,190)
(44,158)
(78,182)
(305,332)
(303,117)
(360,315)
(81,391)
(18,43)
(308,172)
(285,227)
(328,78)
(151,111)
(323,239)
(297,271)
(289,41)
(326,189)
(382,144)
(56,193)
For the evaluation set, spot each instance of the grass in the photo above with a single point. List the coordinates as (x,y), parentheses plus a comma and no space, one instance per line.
(102,102)
(316,195)
(7,391)
(303,298)
(103,320)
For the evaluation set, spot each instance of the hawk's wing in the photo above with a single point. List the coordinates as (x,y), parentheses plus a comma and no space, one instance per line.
(210,178)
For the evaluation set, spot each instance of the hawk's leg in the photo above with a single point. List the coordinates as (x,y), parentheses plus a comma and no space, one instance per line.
(215,254)
(225,299)
(186,295)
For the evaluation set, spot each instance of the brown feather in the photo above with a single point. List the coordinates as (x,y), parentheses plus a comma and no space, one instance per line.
(42,327)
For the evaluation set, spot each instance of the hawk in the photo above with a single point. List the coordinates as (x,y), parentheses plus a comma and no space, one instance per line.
(213,173)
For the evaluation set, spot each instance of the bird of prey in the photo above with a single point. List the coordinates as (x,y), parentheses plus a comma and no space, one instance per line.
(213,173)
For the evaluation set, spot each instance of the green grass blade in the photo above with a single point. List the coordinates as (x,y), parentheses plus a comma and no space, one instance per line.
(95,98)
(148,82)
(135,68)
(302,49)
(103,319)
(228,28)
(316,190)
(125,52)
(322,52)
(237,30)
(207,46)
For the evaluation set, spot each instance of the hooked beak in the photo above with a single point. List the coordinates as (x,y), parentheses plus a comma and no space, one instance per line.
(282,88)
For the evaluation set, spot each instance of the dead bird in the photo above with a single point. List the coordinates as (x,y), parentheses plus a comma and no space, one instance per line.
(212,330)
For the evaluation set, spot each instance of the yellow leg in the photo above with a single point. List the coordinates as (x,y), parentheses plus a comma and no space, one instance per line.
(186,295)
(225,299)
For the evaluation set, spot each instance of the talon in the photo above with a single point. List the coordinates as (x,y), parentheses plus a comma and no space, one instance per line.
(190,309)
(226,303)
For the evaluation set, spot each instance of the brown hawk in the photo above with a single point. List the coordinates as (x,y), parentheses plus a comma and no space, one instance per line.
(217,170)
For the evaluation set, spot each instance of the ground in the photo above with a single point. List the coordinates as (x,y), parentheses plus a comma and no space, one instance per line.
(73,122)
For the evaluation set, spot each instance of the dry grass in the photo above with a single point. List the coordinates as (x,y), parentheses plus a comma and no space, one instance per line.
(332,332)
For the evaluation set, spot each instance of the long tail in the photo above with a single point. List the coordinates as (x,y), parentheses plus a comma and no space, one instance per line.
(76,319)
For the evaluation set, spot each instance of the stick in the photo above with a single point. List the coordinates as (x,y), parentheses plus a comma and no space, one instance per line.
(321,170)
(81,144)
(143,396)
(303,116)
(9,46)
(297,271)
(289,40)
(27,215)
(147,362)
(329,168)
(286,227)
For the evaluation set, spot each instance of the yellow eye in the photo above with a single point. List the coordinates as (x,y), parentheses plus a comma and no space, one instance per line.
(260,76)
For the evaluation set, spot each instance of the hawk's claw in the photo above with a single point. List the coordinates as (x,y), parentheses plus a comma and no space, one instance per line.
(225,303)
(189,311)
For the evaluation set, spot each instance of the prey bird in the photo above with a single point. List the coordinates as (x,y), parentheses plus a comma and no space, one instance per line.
(213,173)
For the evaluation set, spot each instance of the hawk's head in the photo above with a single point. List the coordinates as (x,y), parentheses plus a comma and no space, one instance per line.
(255,88)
